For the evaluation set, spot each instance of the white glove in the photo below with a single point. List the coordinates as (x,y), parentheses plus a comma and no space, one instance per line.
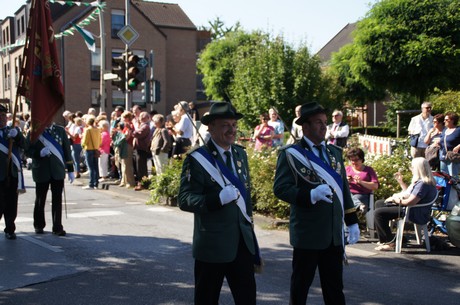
(45,152)
(353,234)
(13,133)
(71,176)
(321,193)
(228,194)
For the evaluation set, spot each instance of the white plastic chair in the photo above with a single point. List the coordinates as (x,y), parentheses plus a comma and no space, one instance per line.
(418,228)
(370,216)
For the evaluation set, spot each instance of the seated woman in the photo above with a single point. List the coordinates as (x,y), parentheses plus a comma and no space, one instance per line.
(421,190)
(361,178)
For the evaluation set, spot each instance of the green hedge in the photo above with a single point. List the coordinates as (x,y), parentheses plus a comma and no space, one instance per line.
(262,167)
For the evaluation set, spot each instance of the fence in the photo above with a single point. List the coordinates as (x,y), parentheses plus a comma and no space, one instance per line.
(375,145)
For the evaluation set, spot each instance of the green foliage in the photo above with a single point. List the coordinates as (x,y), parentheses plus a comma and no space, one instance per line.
(262,166)
(385,168)
(256,71)
(408,46)
(167,184)
(446,101)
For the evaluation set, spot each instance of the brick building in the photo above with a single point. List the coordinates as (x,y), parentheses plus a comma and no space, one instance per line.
(163,28)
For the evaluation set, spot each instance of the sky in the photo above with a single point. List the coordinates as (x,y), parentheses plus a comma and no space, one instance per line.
(313,22)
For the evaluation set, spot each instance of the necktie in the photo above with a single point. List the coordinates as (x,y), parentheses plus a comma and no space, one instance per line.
(320,153)
(228,160)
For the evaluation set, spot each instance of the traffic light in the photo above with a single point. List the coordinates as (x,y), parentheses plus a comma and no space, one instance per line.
(156,92)
(146,92)
(118,68)
(135,75)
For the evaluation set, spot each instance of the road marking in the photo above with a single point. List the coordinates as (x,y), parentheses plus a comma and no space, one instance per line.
(159,209)
(95,214)
(41,243)
(134,202)
(23,219)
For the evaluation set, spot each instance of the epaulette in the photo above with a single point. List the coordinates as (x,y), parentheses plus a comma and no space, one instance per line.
(240,146)
(336,146)
(192,149)
(285,146)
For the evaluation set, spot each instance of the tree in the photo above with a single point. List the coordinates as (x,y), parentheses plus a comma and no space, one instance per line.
(409,46)
(256,71)
(219,30)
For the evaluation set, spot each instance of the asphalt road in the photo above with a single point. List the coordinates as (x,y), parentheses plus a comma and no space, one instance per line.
(119,250)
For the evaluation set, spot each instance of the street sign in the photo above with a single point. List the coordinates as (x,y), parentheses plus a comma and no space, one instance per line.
(128,34)
(143,63)
(109,76)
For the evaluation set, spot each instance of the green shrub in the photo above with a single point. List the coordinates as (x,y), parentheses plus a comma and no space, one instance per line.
(262,166)
(166,185)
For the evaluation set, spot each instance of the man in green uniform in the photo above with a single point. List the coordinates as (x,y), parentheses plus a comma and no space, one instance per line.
(215,187)
(311,177)
(51,156)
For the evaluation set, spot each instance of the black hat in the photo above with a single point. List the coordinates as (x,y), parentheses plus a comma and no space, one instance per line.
(309,109)
(3,109)
(221,110)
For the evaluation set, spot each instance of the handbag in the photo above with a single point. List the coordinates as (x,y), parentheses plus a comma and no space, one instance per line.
(453,157)
(450,155)
(432,154)
(414,139)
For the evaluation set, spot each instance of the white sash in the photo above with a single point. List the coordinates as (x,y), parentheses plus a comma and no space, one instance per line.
(221,180)
(52,148)
(16,162)
(321,172)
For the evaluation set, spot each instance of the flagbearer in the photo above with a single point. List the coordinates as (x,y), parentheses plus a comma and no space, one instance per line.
(311,177)
(215,187)
(51,157)
(11,180)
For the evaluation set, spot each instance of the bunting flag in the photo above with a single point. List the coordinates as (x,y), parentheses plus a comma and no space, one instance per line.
(87,36)
(40,78)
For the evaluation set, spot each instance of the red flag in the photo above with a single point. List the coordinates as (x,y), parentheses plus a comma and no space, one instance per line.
(41,77)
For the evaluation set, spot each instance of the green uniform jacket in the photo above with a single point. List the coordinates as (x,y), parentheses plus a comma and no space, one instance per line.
(18,142)
(45,168)
(311,226)
(217,228)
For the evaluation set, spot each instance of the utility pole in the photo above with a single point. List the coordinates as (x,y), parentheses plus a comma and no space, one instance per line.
(127,95)
(102,92)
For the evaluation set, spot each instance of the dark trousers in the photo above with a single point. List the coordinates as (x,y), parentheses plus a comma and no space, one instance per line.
(382,216)
(9,203)
(41,189)
(330,265)
(141,164)
(93,166)
(240,278)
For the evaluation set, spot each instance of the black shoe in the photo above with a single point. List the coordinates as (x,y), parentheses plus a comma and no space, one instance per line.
(39,231)
(10,236)
(60,233)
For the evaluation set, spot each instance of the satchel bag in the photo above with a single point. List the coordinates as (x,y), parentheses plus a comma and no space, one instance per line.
(414,139)
(450,155)
(453,157)
(432,154)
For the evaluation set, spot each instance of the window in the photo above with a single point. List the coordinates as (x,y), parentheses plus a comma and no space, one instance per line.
(118,22)
(118,98)
(95,97)
(96,64)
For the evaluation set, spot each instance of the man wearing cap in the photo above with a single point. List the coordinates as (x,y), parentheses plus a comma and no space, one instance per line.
(311,177)
(11,179)
(51,156)
(215,187)
(337,132)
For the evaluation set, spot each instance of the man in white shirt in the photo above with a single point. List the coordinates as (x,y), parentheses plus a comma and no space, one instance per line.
(420,125)
(337,132)
(296,130)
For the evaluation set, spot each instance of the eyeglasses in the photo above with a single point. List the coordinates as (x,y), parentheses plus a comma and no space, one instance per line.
(354,159)
(264,119)
(427,108)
